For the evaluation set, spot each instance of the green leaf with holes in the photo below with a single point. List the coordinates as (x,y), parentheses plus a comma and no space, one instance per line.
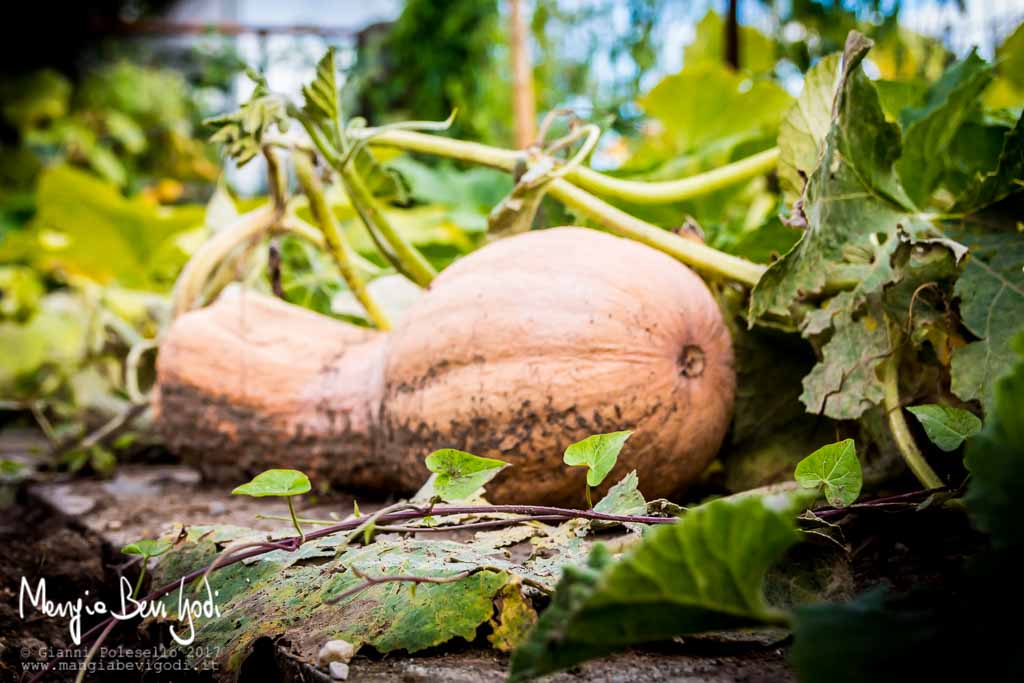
(836,469)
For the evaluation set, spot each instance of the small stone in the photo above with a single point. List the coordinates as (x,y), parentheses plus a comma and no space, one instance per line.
(339,671)
(336,651)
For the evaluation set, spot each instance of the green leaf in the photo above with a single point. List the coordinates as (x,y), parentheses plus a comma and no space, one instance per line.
(995,458)
(1005,178)
(624,498)
(703,573)
(806,125)
(275,483)
(835,468)
(728,110)
(991,293)
(598,453)
(461,474)
(875,638)
(946,426)
(147,548)
(757,55)
(845,383)
(929,130)
(85,226)
(242,132)
(321,96)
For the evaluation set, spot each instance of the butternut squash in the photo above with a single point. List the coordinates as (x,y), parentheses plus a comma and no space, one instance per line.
(516,351)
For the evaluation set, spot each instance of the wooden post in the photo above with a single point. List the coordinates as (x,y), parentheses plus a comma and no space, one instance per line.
(524,106)
(732,36)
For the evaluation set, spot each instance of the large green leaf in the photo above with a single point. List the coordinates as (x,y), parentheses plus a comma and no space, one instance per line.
(929,130)
(947,427)
(857,213)
(997,181)
(991,293)
(50,343)
(806,125)
(704,572)
(711,104)
(85,226)
(757,54)
(995,458)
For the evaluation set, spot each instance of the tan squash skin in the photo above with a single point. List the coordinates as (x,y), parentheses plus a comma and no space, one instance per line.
(518,350)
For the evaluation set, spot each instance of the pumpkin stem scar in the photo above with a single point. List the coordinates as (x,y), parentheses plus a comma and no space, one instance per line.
(691,361)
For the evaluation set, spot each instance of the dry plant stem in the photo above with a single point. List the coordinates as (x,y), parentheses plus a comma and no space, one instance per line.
(901,432)
(335,240)
(694,254)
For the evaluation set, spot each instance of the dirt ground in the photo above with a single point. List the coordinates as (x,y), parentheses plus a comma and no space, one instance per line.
(70,531)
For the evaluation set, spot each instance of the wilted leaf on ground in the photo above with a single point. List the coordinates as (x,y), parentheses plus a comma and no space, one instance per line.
(947,427)
(513,618)
(624,498)
(845,383)
(281,596)
(836,469)
(705,572)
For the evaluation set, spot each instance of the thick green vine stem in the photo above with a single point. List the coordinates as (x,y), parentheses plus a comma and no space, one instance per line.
(249,226)
(335,241)
(901,432)
(412,261)
(637,192)
(690,252)
(669,191)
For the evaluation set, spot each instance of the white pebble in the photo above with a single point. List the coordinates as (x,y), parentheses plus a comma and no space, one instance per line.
(336,651)
(339,671)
